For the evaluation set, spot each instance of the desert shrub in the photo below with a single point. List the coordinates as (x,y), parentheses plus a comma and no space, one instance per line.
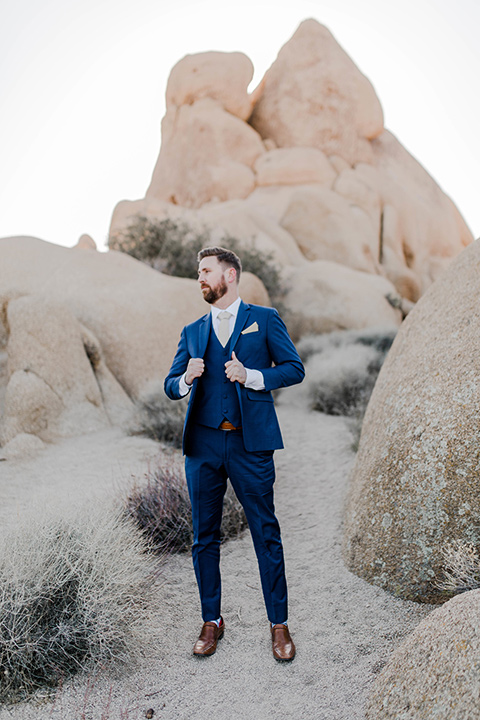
(160,418)
(161,510)
(338,381)
(73,594)
(461,568)
(380,339)
(342,368)
(171,246)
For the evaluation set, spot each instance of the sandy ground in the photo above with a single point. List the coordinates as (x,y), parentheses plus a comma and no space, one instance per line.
(344,628)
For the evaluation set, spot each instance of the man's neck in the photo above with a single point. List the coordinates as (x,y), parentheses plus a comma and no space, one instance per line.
(225,301)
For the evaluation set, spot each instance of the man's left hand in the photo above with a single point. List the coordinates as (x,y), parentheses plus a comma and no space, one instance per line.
(235,371)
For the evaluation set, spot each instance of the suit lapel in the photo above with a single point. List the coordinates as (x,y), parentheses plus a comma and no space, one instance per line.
(203,334)
(243,316)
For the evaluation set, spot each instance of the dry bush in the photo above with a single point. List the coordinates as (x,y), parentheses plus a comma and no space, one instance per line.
(342,368)
(74,592)
(461,568)
(160,418)
(338,381)
(171,246)
(379,338)
(161,510)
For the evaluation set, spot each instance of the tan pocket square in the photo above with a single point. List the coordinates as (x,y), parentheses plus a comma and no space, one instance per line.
(251,328)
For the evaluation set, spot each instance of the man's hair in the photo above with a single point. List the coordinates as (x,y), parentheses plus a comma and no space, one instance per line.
(226,257)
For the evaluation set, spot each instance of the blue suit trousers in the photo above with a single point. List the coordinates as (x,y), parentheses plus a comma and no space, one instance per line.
(215,455)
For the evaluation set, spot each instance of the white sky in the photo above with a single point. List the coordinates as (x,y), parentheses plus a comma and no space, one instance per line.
(82,85)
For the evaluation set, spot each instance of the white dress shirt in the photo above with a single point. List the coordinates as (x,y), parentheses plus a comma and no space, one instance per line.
(254,379)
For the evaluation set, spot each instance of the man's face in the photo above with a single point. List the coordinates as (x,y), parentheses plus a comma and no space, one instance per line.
(211,276)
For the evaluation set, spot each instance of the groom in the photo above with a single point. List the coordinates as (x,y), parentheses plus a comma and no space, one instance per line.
(229,361)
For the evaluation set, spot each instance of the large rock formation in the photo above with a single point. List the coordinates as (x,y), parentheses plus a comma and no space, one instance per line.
(434,674)
(303,169)
(83,335)
(315,96)
(416,481)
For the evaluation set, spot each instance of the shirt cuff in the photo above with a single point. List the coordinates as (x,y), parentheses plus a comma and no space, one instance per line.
(254,380)
(183,388)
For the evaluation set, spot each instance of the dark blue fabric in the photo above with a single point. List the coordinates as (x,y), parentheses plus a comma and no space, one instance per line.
(216,397)
(215,455)
(269,350)
(245,456)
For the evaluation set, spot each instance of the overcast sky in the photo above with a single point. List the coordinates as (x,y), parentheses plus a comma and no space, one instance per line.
(82,85)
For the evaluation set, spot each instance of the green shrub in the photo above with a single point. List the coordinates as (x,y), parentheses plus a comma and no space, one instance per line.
(161,510)
(167,245)
(73,594)
(171,247)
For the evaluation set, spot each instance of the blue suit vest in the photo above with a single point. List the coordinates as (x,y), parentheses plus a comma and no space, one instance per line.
(216,398)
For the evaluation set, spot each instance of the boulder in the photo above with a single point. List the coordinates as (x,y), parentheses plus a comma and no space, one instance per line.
(323,296)
(326,226)
(222,76)
(51,390)
(416,481)
(206,154)
(434,674)
(116,402)
(430,227)
(392,256)
(85,333)
(252,287)
(3,376)
(86,242)
(314,95)
(251,226)
(359,193)
(312,175)
(251,222)
(294,166)
(23,445)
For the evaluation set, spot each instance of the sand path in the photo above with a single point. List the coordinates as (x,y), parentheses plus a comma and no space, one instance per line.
(344,628)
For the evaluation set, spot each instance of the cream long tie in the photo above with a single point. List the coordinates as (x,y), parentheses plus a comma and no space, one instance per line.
(224,326)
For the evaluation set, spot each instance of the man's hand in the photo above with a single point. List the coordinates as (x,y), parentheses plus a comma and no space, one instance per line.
(235,371)
(195,368)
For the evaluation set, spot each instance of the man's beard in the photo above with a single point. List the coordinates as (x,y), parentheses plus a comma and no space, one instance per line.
(211,295)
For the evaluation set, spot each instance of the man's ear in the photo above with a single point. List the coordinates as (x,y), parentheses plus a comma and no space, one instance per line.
(231,275)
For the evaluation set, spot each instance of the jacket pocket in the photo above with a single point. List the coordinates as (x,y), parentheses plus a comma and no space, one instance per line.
(259,395)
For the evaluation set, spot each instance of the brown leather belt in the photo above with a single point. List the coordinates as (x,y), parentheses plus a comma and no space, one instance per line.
(226,425)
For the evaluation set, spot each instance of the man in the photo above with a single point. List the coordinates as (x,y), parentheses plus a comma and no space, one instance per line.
(230,360)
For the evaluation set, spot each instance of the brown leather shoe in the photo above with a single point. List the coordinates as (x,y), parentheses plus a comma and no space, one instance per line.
(282,644)
(210,635)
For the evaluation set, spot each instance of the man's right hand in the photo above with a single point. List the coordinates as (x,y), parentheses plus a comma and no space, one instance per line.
(195,368)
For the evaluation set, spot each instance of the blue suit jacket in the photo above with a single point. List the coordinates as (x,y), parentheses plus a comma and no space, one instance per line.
(268,349)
